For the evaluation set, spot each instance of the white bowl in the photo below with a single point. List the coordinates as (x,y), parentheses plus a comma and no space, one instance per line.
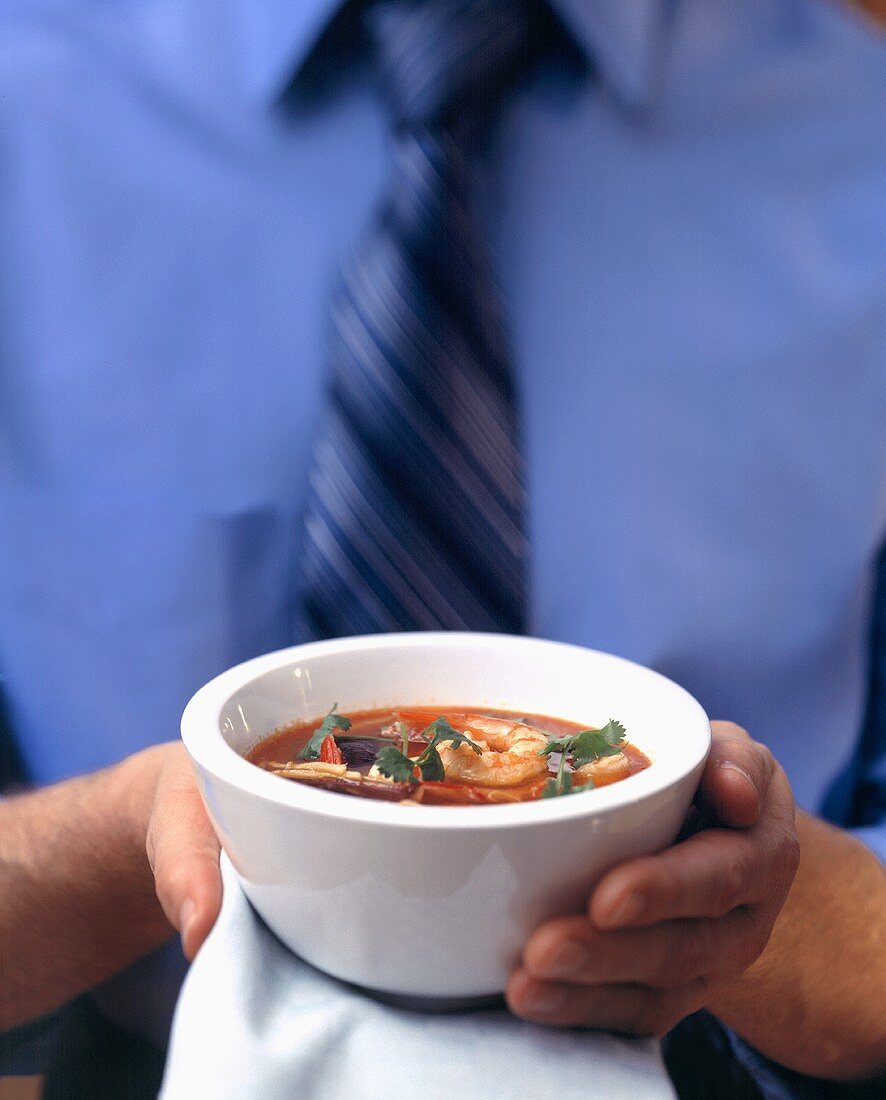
(433,901)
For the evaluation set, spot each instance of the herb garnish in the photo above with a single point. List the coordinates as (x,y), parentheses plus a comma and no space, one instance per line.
(330,723)
(561,783)
(397,765)
(404,735)
(589,745)
(585,747)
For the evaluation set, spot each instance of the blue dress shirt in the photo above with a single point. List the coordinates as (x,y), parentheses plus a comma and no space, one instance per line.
(691,243)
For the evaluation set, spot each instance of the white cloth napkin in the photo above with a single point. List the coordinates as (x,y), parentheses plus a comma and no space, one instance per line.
(253,1020)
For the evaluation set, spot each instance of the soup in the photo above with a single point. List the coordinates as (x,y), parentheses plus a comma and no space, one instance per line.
(450,756)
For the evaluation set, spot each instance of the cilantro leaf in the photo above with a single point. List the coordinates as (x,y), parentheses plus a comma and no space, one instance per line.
(432,770)
(553,788)
(395,765)
(558,744)
(429,762)
(594,744)
(331,722)
(560,784)
(588,745)
(441,730)
(583,747)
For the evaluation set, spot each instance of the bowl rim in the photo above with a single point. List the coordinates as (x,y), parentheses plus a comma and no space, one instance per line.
(203,739)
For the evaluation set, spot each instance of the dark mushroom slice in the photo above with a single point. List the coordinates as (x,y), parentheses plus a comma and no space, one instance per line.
(359,752)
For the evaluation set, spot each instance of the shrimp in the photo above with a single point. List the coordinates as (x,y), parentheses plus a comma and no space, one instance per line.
(510,752)
(608,769)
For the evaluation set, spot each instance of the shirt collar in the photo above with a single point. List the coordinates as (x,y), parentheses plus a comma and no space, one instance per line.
(277,38)
(622,38)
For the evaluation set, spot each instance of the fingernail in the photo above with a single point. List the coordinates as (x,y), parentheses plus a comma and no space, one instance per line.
(545,998)
(728,765)
(185,915)
(627,910)
(566,959)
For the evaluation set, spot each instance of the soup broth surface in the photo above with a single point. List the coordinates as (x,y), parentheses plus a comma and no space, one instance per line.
(454,755)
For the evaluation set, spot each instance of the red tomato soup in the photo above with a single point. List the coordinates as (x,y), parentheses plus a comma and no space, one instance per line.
(452,756)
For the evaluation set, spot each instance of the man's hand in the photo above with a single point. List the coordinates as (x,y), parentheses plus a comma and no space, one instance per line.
(662,934)
(183,852)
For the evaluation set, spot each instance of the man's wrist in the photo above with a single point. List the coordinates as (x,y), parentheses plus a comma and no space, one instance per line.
(813,1001)
(77,899)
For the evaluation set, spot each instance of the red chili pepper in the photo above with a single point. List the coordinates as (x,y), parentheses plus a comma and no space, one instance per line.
(330,753)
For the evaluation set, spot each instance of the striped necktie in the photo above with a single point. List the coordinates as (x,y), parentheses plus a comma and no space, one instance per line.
(414,517)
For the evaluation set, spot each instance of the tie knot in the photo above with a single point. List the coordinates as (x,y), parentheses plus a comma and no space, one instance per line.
(439,57)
